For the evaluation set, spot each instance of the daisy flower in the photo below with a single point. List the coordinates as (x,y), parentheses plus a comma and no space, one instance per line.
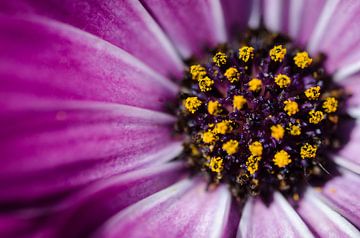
(164,118)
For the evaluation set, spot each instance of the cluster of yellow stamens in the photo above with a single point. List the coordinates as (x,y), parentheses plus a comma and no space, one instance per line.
(214,108)
(220,58)
(246,53)
(294,130)
(238,102)
(291,107)
(282,158)
(308,151)
(277,132)
(313,93)
(277,53)
(231,147)
(232,74)
(197,72)
(282,80)
(330,105)
(302,59)
(216,164)
(316,116)
(255,85)
(192,104)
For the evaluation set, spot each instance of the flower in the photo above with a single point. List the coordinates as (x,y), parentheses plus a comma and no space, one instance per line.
(87,145)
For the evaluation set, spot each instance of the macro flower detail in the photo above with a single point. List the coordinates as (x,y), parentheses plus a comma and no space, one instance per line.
(159,118)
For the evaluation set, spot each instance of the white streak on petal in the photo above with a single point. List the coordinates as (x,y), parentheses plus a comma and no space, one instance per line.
(321,25)
(219,20)
(295,219)
(333,216)
(245,219)
(296,12)
(347,71)
(346,164)
(273,14)
(255,15)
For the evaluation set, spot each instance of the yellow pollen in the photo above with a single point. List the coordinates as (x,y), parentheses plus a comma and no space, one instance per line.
(313,93)
(277,132)
(197,72)
(209,137)
(255,85)
(231,147)
(295,130)
(214,107)
(232,74)
(302,59)
(256,148)
(239,102)
(316,116)
(220,58)
(308,151)
(222,127)
(205,84)
(216,164)
(192,104)
(277,53)
(246,53)
(282,80)
(291,107)
(281,159)
(330,105)
(252,163)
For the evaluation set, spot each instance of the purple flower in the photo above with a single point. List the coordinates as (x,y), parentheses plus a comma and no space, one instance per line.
(87,146)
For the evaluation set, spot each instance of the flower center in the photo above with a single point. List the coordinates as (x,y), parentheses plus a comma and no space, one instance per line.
(261,116)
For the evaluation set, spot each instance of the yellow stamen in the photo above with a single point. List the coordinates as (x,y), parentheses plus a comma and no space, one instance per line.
(291,107)
(256,148)
(302,59)
(238,102)
(246,53)
(277,53)
(277,132)
(197,72)
(220,58)
(282,80)
(252,163)
(205,84)
(281,159)
(330,105)
(232,74)
(209,137)
(255,85)
(313,93)
(222,127)
(295,130)
(214,107)
(216,164)
(308,151)
(231,147)
(192,104)
(316,116)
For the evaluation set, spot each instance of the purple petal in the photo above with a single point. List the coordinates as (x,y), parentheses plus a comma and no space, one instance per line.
(276,220)
(342,194)
(92,206)
(276,15)
(44,60)
(118,22)
(184,208)
(73,144)
(303,17)
(192,25)
(352,86)
(339,36)
(322,220)
(236,15)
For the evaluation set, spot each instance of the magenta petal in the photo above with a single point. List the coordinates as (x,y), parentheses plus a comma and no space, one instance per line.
(184,209)
(46,60)
(236,15)
(324,221)
(342,193)
(276,15)
(277,220)
(352,85)
(92,206)
(119,22)
(344,22)
(74,145)
(192,26)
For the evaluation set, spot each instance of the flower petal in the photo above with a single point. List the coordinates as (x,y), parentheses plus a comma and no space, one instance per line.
(50,60)
(258,220)
(324,222)
(342,194)
(118,22)
(276,15)
(87,210)
(192,26)
(184,208)
(237,14)
(343,21)
(72,145)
